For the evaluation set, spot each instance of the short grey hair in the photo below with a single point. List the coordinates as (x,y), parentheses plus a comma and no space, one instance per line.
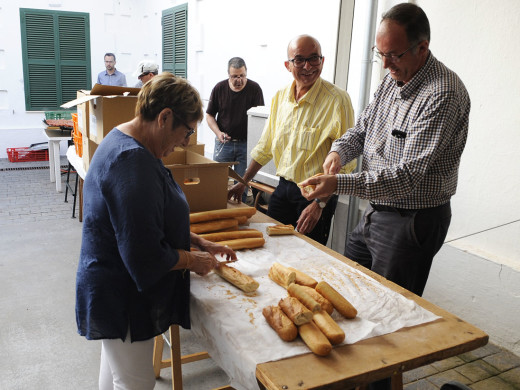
(237,63)
(413,19)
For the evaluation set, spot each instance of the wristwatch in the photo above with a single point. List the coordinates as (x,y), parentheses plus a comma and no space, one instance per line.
(321,203)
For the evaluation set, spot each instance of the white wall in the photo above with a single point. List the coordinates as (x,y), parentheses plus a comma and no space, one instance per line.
(478,40)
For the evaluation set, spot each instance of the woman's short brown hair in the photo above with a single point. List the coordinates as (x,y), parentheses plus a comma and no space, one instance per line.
(169,91)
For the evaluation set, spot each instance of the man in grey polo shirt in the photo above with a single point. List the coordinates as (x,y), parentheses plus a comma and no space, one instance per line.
(111,76)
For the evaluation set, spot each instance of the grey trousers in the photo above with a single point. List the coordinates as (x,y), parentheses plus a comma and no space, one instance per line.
(399,244)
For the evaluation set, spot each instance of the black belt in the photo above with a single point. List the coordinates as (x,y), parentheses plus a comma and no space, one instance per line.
(237,140)
(380,207)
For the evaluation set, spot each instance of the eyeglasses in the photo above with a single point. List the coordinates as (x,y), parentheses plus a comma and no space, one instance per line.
(392,57)
(299,62)
(190,131)
(236,77)
(143,74)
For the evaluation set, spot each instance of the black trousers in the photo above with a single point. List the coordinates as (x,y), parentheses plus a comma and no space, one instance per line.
(287,203)
(399,244)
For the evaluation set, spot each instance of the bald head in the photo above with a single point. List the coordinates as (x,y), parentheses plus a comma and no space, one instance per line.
(302,40)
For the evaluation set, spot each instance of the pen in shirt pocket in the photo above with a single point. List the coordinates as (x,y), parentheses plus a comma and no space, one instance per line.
(399,134)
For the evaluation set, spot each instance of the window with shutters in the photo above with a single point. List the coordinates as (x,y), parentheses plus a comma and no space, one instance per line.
(175,40)
(56,57)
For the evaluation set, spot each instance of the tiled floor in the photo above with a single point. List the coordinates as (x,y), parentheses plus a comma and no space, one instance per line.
(486,368)
(27,195)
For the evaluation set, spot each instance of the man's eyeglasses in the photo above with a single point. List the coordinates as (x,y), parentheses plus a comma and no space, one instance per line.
(299,62)
(143,74)
(190,131)
(392,57)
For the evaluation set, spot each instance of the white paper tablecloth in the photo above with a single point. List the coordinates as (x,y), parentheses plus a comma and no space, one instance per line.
(230,325)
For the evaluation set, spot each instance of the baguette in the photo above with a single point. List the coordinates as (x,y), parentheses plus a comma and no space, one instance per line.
(329,327)
(315,339)
(213,226)
(242,219)
(282,325)
(338,301)
(324,302)
(203,216)
(297,291)
(295,310)
(303,279)
(243,243)
(281,275)
(278,230)
(237,278)
(221,236)
(311,187)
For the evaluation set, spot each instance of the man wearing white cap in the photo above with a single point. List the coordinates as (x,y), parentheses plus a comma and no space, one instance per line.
(146,70)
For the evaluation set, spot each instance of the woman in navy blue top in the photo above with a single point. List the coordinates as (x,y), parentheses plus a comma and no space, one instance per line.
(132,280)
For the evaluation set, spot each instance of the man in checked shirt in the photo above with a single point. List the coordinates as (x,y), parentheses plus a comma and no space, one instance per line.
(411,137)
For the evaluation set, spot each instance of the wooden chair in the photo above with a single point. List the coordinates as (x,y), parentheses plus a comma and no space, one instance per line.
(261,188)
(176,360)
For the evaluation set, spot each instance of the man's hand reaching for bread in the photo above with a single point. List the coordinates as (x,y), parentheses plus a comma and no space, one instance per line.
(318,186)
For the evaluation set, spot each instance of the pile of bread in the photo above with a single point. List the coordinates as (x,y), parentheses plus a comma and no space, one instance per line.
(222,226)
(307,309)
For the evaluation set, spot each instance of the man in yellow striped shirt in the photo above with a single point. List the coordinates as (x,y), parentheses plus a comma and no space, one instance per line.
(305,119)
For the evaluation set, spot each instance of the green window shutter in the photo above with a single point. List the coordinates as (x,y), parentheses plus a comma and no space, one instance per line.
(175,40)
(74,54)
(56,57)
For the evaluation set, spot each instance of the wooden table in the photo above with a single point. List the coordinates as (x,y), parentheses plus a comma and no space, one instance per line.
(378,357)
(353,365)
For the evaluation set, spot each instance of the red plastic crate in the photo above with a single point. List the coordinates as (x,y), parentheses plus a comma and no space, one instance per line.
(27,154)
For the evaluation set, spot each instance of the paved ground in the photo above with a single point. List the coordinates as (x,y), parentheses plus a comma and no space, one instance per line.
(39,245)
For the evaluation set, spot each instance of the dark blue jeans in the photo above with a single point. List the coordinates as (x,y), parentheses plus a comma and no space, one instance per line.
(232,151)
(287,203)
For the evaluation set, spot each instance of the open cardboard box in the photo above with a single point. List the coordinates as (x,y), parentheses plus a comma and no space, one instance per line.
(108,107)
(203,181)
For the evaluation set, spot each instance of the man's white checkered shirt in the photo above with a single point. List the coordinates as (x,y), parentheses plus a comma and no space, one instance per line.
(411,137)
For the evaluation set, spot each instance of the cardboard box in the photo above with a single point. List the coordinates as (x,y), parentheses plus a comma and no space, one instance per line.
(108,107)
(171,159)
(105,107)
(89,147)
(83,112)
(203,181)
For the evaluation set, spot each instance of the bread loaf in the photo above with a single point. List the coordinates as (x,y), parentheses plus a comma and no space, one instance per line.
(210,215)
(311,187)
(295,310)
(338,301)
(303,279)
(297,291)
(315,339)
(243,243)
(329,327)
(281,275)
(278,230)
(242,219)
(237,278)
(277,319)
(324,302)
(213,226)
(221,236)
